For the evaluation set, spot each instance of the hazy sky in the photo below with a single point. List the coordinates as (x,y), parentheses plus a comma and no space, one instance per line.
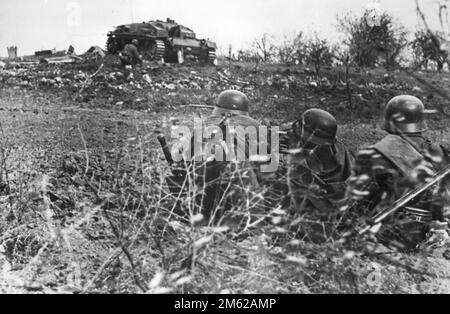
(37,24)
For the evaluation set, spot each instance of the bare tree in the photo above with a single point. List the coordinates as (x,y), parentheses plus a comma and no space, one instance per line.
(427,47)
(292,50)
(319,53)
(344,57)
(264,47)
(443,14)
(286,50)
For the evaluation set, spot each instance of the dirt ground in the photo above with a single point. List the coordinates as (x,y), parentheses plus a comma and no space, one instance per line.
(54,236)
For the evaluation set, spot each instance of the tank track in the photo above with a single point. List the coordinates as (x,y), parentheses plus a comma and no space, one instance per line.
(212,56)
(160,49)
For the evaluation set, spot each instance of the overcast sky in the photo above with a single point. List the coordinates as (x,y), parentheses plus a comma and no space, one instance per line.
(45,24)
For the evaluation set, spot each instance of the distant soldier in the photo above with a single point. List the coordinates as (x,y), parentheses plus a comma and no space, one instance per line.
(400,162)
(130,54)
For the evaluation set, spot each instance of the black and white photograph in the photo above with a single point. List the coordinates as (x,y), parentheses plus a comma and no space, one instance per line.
(224,154)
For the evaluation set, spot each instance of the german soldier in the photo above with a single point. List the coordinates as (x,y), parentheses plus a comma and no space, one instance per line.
(318,166)
(130,54)
(213,170)
(400,162)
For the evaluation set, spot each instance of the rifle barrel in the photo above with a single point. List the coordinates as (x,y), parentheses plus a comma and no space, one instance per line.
(167,154)
(198,106)
(404,200)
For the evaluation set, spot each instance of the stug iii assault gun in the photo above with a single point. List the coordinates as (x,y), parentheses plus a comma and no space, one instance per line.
(162,40)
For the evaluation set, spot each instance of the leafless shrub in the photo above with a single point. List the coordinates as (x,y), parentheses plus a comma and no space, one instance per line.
(264,47)
(370,45)
(319,53)
(427,47)
(292,50)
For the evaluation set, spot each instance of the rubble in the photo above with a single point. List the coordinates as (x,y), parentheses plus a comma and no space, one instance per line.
(117,84)
(153,82)
(95,53)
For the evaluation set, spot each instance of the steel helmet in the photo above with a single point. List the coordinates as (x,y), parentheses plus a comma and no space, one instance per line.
(404,114)
(318,127)
(135,42)
(232,101)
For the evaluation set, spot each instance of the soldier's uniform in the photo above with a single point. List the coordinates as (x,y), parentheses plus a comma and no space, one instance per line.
(130,54)
(318,167)
(220,182)
(400,162)
(319,164)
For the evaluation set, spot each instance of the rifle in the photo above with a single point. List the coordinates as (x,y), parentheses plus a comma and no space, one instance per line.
(405,199)
(198,106)
(176,181)
(167,154)
(177,169)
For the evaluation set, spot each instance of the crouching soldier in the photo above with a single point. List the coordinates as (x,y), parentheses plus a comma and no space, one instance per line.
(318,167)
(232,168)
(130,54)
(402,161)
(220,165)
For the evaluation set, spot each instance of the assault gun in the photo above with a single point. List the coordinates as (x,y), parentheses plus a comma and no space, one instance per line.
(404,200)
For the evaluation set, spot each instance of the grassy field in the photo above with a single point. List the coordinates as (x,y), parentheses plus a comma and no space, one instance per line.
(84,207)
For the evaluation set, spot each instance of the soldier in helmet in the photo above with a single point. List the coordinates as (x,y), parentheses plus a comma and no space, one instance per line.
(130,54)
(214,174)
(319,164)
(398,163)
(231,111)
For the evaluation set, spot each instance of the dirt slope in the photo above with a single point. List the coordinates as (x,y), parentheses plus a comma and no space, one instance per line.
(62,130)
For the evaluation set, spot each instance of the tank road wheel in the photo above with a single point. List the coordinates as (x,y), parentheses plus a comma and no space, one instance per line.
(212,58)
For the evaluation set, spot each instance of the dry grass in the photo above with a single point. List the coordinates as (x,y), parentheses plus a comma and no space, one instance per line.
(89,212)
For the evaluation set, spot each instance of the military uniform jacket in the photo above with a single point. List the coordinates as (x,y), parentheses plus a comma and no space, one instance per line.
(386,171)
(215,175)
(320,178)
(132,53)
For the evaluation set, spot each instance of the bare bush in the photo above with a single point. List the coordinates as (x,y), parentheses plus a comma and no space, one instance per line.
(371,44)
(427,47)
(264,47)
(319,53)
(292,50)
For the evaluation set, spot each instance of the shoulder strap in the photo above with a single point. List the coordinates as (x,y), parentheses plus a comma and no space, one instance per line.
(400,152)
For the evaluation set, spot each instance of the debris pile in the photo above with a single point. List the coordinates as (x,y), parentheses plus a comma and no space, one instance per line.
(149,78)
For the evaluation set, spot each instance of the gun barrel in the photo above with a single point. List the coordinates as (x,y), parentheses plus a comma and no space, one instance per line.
(403,201)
